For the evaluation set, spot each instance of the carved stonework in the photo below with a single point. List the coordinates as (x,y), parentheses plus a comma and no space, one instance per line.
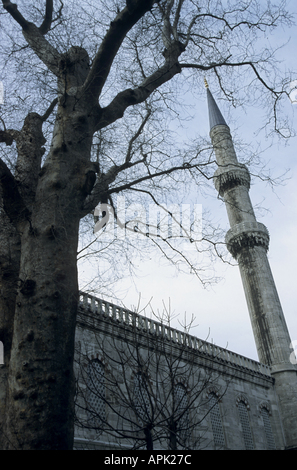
(246,235)
(230,176)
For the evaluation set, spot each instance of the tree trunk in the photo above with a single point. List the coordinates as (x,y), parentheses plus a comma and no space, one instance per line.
(172,436)
(40,389)
(10,250)
(149,438)
(40,399)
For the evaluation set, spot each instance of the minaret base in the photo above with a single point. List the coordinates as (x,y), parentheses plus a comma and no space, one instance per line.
(285,388)
(271,334)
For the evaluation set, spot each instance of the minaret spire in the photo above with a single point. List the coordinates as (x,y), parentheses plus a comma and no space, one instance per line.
(248,242)
(214,113)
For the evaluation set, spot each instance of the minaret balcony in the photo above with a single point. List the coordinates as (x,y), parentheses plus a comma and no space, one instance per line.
(246,234)
(229,176)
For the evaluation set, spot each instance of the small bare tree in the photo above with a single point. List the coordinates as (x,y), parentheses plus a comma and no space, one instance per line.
(143,390)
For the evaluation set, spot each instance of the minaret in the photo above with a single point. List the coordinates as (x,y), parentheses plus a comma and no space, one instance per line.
(248,241)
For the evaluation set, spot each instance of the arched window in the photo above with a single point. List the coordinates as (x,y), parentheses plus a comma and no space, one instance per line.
(245,424)
(96,394)
(267,427)
(181,412)
(141,398)
(216,420)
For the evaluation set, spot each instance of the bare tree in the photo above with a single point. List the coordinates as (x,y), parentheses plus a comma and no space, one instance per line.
(74,78)
(140,389)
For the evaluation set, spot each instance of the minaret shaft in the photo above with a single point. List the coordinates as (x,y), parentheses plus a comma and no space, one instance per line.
(268,323)
(248,242)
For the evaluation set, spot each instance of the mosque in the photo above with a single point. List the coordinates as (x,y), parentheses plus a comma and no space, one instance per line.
(145,385)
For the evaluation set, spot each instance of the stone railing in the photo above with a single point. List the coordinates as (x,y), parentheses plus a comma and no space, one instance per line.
(121,315)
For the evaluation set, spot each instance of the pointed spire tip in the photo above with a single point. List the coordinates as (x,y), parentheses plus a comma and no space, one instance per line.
(215,116)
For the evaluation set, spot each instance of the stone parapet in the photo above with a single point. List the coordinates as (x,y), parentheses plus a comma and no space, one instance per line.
(246,234)
(103,310)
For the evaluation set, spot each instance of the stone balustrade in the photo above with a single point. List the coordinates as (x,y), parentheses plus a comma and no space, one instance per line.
(120,315)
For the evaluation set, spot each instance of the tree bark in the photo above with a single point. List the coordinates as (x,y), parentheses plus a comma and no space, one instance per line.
(40,385)
(149,438)
(172,435)
(10,250)
(39,406)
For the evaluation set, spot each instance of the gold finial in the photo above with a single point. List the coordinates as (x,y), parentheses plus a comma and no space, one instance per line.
(206,84)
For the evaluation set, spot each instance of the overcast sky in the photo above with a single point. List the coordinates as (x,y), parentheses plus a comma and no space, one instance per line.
(221,311)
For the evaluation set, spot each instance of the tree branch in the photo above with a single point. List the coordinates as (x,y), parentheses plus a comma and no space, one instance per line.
(29,141)
(136,135)
(34,37)
(42,48)
(233,64)
(47,22)
(8,135)
(12,9)
(151,176)
(100,189)
(111,43)
(129,97)
(49,110)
